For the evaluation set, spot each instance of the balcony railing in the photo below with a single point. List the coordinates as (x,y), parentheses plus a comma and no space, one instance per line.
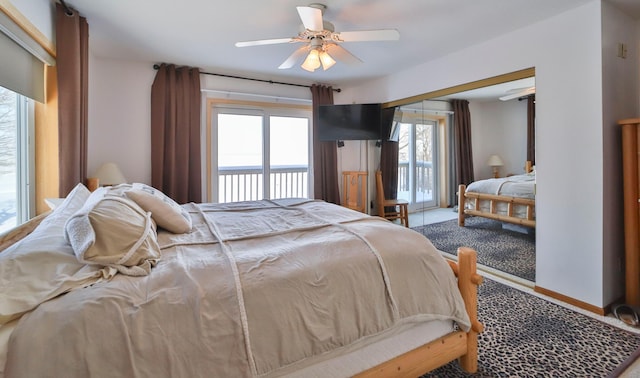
(424,177)
(247,183)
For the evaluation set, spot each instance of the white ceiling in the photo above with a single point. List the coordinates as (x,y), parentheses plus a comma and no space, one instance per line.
(494,92)
(202,33)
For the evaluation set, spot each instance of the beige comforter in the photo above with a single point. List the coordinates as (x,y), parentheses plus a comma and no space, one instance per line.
(515,186)
(255,287)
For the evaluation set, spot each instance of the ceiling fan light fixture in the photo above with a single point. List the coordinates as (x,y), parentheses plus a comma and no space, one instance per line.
(319,37)
(326,60)
(312,61)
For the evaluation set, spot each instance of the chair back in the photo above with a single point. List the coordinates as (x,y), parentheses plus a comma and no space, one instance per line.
(354,190)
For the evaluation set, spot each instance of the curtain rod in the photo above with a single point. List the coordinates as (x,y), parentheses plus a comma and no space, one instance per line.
(156,66)
(67,10)
(257,95)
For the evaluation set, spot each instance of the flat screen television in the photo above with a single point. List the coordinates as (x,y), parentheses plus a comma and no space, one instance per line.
(349,122)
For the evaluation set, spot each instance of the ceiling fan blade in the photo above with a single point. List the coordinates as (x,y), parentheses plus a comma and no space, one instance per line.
(311,18)
(294,58)
(369,35)
(340,53)
(520,92)
(264,42)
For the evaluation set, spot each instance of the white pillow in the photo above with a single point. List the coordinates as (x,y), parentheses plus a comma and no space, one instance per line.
(72,203)
(165,211)
(42,265)
(113,231)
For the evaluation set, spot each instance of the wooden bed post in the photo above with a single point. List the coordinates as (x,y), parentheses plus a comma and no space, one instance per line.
(461,199)
(468,281)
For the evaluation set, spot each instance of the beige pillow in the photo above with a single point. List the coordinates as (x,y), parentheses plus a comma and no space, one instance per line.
(113,231)
(165,211)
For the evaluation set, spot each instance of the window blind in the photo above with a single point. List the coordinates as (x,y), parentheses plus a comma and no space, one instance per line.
(22,61)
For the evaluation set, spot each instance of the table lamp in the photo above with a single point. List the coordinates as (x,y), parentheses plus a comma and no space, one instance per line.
(109,174)
(495,162)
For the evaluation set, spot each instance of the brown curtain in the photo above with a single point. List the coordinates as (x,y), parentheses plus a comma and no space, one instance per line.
(72,43)
(175,133)
(531,129)
(325,154)
(389,168)
(462,141)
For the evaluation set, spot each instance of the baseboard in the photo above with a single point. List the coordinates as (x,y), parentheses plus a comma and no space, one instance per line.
(572,301)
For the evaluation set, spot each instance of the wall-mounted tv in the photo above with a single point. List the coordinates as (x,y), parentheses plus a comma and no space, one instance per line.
(349,122)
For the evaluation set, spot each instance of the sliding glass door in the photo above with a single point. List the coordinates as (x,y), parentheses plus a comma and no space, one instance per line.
(240,157)
(259,154)
(288,157)
(417,166)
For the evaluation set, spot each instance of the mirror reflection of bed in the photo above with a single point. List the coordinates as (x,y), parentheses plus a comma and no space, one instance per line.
(498,129)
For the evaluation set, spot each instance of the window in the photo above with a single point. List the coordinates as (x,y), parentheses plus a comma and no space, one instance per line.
(259,152)
(16,194)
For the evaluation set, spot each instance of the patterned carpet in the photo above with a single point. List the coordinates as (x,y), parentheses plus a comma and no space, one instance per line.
(526,336)
(505,250)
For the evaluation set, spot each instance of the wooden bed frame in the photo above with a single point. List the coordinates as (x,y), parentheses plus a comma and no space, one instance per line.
(494,200)
(456,345)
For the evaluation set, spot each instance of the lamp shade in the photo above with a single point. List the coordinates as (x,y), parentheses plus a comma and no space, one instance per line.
(495,161)
(312,62)
(326,60)
(110,174)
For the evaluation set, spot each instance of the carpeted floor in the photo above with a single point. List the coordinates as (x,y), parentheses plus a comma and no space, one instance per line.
(505,250)
(526,336)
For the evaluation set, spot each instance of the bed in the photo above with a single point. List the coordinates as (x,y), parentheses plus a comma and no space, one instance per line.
(291,287)
(508,199)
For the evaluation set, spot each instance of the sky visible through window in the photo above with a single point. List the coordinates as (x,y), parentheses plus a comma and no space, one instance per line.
(240,139)
(289,141)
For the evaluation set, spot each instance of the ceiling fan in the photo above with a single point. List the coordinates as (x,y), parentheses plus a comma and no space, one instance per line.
(518,92)
(321,41)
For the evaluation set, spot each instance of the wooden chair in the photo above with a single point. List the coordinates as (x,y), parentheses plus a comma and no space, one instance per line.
(354,190)
(400,207)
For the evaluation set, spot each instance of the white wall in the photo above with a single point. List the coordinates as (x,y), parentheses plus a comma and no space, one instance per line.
(41,13)
(498,127)
(120,117)
(621,99)
(566,52)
